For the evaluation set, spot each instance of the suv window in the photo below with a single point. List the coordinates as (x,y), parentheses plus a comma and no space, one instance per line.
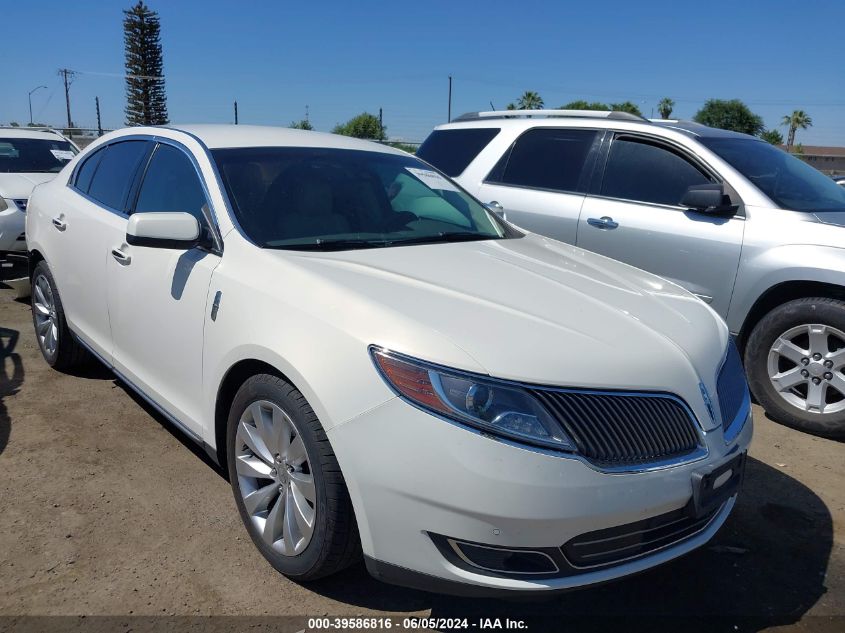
(171,184)
(86,171)
(116,171)
(545,158)
(452,150)
(645,172)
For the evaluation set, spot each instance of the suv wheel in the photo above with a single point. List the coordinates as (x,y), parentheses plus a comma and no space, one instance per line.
(287,483)
(58,346)
(795,359)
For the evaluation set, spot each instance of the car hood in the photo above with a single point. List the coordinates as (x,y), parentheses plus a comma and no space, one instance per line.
(530,309)
(20,186)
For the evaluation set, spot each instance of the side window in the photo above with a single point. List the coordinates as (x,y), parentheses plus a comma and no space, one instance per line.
(171,184)
(451,151)
(641,171)
(113,177)
(545,158)
(86,171)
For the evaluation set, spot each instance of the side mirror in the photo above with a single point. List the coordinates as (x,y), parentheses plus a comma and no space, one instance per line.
(495,207)
(163,230)
(708,199)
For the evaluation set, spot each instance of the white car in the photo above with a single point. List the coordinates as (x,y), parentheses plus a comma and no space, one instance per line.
(385,367)
(27,158)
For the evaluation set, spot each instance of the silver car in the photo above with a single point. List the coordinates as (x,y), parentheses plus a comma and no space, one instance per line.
(752,231)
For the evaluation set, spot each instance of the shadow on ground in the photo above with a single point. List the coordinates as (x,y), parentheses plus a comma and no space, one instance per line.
(11,379)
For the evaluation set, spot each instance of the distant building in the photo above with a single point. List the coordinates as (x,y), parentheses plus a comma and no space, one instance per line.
(830,160)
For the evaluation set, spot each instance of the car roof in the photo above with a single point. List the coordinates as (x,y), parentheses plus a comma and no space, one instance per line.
(23,132)
(220,136)
(539,118)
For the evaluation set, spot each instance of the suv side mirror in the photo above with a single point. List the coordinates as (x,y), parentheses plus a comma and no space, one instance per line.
(708,199)
(163,230)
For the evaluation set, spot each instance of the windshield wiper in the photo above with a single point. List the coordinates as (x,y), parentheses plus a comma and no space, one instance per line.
(331,245)
(458,236)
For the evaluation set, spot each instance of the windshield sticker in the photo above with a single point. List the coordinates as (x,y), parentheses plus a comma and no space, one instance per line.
(432,179)
(62,154)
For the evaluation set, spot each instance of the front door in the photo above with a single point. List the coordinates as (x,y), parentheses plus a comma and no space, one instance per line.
(635,217)
(158,296)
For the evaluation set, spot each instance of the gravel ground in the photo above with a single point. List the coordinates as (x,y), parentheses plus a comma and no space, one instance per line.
(106,510)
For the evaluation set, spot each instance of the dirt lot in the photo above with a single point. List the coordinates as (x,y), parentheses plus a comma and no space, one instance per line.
(107,511)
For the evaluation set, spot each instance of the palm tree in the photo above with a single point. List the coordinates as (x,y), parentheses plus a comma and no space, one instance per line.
(530,100)
(664,107)
(798,119)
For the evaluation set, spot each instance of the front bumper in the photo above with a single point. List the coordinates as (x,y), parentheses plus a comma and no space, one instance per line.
(411,475)
(12,228)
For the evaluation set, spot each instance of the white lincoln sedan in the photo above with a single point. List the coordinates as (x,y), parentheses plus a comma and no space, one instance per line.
(384,366)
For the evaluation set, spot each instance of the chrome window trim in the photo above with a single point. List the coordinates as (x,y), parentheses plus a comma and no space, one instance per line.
(700,453)
(157,140)
(220,187)
(684,152)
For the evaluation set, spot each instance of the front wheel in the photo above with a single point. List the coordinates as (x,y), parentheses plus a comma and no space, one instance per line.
(795,359)
(287,483)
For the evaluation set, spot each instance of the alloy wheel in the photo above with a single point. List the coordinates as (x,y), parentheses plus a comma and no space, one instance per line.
(46,319)
(805,366)
(275,478)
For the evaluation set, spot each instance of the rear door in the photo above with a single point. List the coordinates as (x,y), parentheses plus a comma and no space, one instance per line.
(158,296)
(540,181)
(90,219)
(634,216)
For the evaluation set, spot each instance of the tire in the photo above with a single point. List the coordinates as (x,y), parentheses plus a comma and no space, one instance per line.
(57,343)
(801,342)
(266,409)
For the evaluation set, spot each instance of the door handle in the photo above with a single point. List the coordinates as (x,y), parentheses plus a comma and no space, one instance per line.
(60,223)
(121,257)
(604,222)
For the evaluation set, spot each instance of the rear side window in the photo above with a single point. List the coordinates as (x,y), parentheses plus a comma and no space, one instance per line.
(171,184)
(452,150)
(644,172)
(546,158)
(86,171)
(113,178)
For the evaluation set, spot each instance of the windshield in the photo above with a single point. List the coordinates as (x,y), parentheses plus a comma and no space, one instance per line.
(34,155)
(787,181)
(335,199)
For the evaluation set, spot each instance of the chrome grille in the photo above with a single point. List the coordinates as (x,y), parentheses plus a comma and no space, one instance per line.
(623,429)
(732,387)
(614,545)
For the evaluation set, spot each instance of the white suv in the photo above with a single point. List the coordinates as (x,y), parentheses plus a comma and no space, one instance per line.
(361,344)
(27,158)
(752,231)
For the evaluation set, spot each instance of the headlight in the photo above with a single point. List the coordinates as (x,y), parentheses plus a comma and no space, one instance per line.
(3,204)
(486,404)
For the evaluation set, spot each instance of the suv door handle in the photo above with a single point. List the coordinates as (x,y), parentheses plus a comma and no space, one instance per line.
(604,222)
(59,222)
(121,257)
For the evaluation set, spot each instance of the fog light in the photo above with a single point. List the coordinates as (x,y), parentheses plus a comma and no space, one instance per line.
(502,560)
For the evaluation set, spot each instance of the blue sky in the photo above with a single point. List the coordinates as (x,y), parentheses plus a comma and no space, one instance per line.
(341,58)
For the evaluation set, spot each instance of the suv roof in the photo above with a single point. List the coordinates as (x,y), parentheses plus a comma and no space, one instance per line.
(531,118)
(28,132)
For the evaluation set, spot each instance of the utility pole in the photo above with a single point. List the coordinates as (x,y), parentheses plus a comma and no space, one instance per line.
(30,102)
(236,112)
(99,123)
(449,119)
(67,76)
(380,122)
(306,113)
